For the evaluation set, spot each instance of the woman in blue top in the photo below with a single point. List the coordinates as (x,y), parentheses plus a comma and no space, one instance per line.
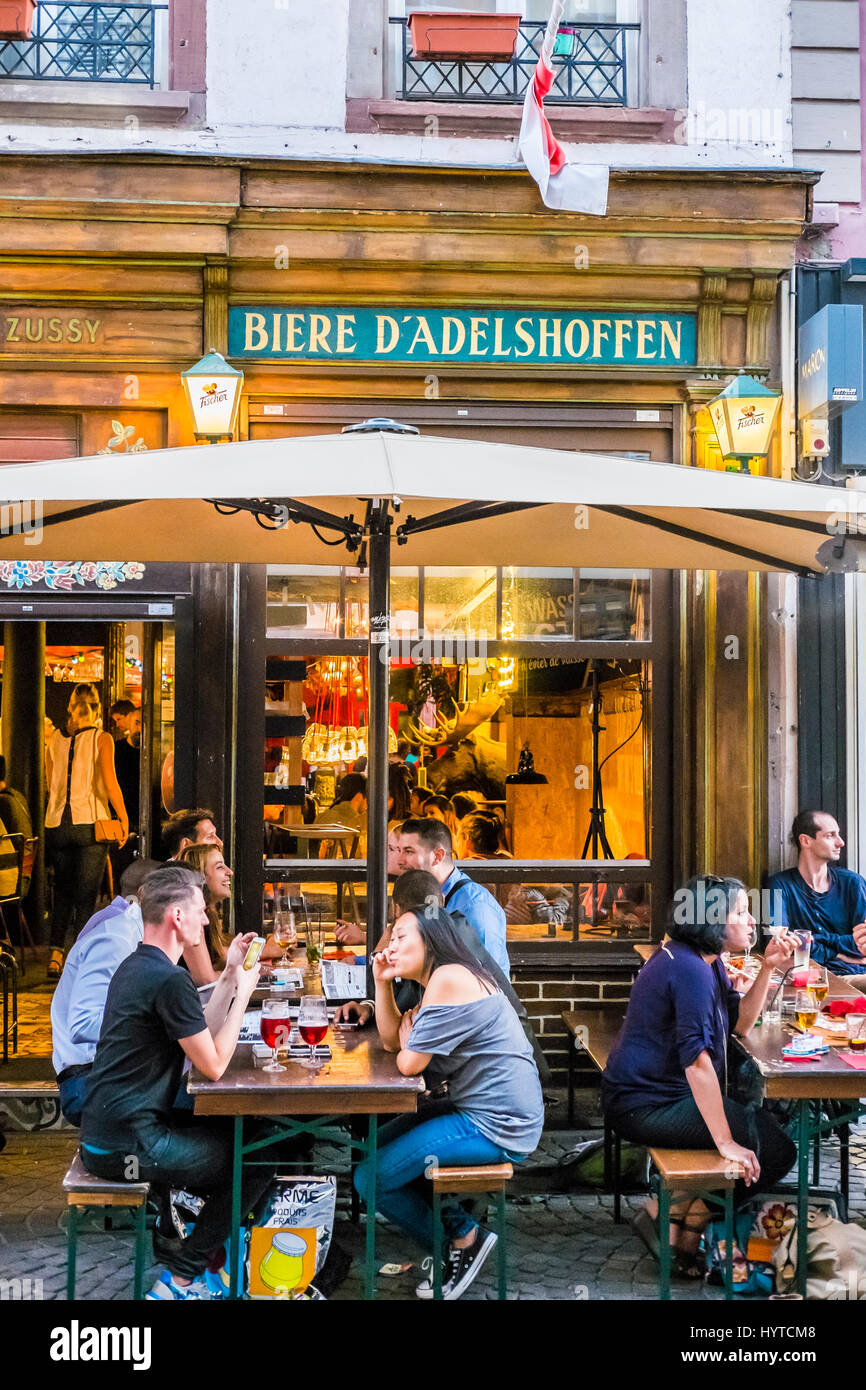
(665,1082)
(494,1112)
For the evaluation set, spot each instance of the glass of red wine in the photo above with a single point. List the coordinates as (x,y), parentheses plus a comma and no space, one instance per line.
(312,1024)
(275,1029)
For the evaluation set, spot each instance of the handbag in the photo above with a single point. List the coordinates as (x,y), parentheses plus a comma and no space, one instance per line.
(836,1259)
(753,1271)
(108,830)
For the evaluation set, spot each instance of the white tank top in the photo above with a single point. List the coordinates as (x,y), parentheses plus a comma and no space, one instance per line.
(82,782)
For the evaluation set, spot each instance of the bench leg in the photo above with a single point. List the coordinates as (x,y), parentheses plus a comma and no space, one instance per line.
(503,1259)
(71,1252)
(572,1047)
(140,1245)
(729,1244)
(664,1220)
(437,1246)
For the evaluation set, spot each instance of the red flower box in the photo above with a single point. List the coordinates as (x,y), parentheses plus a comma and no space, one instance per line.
(16,19)
(462,34)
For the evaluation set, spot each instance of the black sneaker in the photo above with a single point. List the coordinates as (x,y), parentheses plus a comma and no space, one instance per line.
(459,1267)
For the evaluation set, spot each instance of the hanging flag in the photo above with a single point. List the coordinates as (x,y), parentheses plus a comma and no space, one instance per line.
(567,187)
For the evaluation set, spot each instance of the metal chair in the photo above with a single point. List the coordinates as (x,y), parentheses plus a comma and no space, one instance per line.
(17,851)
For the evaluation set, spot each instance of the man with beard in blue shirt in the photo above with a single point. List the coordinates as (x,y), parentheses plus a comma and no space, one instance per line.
(820,897)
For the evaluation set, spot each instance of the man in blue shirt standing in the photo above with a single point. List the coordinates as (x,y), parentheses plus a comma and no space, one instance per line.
(426,844)
(819,897)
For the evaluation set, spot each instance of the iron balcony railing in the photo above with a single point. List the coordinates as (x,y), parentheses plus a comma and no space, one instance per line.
(590,65)
(78,42)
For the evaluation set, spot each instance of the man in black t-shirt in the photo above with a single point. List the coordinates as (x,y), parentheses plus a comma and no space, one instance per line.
(153,1020)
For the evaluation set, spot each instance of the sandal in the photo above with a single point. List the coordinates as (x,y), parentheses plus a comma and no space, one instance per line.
(55,965)
(688,1264)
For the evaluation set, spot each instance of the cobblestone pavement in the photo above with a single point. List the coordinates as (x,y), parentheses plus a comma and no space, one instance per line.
(562,1246)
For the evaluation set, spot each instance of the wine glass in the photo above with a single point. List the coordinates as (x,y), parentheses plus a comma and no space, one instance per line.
(312,1023)
(285,935)
(275,1029)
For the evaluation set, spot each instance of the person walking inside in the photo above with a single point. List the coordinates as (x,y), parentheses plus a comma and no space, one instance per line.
(83,792)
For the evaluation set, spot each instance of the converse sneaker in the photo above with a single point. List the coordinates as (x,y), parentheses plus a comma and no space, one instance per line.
(459,1267)
(165,1290)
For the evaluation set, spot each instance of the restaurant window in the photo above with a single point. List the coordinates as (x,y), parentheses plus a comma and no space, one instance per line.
(565,675)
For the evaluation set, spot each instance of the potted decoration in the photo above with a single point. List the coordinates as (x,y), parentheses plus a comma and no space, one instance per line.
(16,19)
(463,34)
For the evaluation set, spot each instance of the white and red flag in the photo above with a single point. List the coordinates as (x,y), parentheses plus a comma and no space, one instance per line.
(567,187)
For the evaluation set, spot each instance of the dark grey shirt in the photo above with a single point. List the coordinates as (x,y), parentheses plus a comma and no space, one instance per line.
(493,1080)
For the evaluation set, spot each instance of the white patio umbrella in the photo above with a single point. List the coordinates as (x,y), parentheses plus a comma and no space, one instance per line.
(429,500)
(460,502)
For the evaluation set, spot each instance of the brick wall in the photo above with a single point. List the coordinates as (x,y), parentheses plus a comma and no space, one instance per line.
(548,990)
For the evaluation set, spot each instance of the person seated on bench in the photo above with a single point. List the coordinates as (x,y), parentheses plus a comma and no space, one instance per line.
(103,943)
(817,896)
(494,1112)
(153,1021)
(662,1085)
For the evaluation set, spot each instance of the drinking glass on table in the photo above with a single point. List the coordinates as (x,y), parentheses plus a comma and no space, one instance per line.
(806,1009)
(802,952)
(275,1029)
(312,1024)
(315,938)
(285,934)
(818,982)
(855,1026)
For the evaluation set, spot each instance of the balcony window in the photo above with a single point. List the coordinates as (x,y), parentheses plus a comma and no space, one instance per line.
(82,42)
(595,62)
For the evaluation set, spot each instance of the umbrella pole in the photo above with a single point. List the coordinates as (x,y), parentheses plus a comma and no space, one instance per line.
(377,749)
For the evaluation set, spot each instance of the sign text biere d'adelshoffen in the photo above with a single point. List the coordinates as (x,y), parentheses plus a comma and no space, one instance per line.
(437,336)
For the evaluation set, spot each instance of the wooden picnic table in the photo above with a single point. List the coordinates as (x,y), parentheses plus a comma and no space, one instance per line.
(828,1078)
(361,1078)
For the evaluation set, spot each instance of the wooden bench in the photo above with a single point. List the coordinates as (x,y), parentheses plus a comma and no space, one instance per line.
(489,1179)
(594,1031)
(698,1173)
(83,1192)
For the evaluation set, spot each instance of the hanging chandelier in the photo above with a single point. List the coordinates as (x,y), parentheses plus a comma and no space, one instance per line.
(337,732)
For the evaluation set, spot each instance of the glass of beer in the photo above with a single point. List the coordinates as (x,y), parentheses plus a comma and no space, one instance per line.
(806,1009)
(275,1029)
(855,1025)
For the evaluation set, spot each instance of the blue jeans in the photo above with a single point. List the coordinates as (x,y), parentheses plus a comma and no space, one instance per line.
(403,1194)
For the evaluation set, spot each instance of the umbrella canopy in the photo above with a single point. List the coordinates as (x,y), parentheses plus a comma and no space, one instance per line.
(515,506)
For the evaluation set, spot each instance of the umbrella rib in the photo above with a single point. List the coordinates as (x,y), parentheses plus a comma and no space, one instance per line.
(776,519)
(91,509)
(626,514)
(453,516)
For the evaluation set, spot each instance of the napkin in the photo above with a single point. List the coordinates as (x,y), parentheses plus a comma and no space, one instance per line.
(854,1059)
(838,1008)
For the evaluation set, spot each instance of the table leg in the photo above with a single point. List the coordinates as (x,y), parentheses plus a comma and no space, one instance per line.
(664,1224)
(572,1048)
(235,1238)
(844,1158)
(803,1128)
(372,1165)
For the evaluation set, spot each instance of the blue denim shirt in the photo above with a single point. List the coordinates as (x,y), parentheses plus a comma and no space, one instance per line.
(481,911)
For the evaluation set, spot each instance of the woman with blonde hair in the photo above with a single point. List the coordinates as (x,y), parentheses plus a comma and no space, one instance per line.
(206,960)
(82,793)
